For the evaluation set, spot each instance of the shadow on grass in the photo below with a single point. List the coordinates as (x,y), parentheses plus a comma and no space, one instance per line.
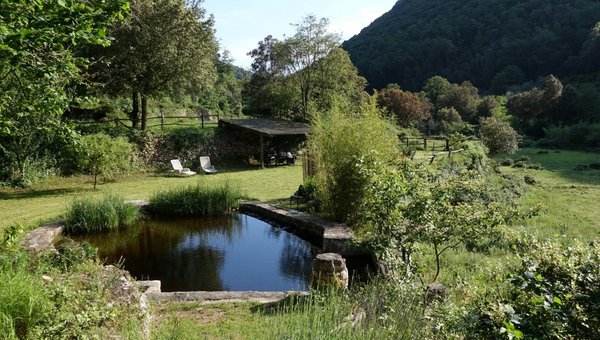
(289,304)
(570,165)
(29,193)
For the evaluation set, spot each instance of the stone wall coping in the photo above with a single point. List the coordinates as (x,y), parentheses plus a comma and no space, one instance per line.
(222,296)
(332,237)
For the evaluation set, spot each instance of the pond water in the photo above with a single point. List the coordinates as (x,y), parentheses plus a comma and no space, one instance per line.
(232,253)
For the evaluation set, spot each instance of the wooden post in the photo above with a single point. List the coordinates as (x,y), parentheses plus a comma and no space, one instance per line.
(424,144)
(448,144)
(202,118)
(262,151)
(162,120)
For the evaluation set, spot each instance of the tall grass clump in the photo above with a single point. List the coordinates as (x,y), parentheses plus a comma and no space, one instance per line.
(24,303)
(339,140)
(89,215)
(378,310)
(199,200)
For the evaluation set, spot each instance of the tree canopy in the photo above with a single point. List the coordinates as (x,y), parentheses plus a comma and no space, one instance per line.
(38,64)
(165,47)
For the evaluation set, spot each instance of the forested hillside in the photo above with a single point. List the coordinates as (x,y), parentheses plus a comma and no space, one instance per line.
(493,43)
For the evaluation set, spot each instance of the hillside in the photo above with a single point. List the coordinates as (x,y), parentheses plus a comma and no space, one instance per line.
(492,43)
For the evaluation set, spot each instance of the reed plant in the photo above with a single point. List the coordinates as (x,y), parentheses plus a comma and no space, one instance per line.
(89,215)
(196,200)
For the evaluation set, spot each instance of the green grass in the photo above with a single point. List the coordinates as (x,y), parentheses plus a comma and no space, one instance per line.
(196,200)
(49,199)
(92,215)
(324,315)
(569,196)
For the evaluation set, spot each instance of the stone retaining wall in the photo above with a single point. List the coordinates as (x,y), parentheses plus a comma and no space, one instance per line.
(331,237)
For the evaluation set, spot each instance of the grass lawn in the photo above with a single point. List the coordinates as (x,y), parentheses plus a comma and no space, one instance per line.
(569,196)
(48,199)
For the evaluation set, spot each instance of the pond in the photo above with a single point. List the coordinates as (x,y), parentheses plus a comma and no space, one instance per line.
(232,253)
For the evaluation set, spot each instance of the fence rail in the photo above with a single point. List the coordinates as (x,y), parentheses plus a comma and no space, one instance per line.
(164,121)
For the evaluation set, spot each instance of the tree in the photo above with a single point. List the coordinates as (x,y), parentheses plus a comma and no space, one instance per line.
(301,52)
(105,156)
(302,73)
(38,64)
(435,87)
(463,98)
(533,108)
(167,46)
(499,136)
(406,107)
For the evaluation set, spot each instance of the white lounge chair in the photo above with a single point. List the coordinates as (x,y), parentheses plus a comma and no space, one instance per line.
(206,166)
(177,167)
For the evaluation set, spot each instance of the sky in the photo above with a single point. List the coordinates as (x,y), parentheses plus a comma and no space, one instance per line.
(240,25)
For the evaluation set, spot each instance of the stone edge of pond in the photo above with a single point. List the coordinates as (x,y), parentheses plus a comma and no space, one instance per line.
(223,296)
(333,237)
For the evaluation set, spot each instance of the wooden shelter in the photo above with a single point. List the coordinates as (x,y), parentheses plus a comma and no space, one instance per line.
(268,127)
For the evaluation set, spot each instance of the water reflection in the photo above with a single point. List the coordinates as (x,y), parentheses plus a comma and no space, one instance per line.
(236,252)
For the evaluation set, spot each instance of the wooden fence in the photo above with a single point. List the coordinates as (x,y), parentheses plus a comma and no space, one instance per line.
(162,121)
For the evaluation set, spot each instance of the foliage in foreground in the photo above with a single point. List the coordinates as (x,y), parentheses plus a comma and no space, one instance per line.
(59,295)
(553,294)
(378,310)
(89,215)
(198,200)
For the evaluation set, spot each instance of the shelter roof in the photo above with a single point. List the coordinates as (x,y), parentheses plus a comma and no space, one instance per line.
(269,126)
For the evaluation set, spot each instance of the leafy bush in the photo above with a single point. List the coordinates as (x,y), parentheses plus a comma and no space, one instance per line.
(198,200)
(507,162)
(499,136)
(338,141)
(88,215)
(529,180)
(555,293)
(580,135)
(520,164)
(405,204)
(102,155)
(535,166)
(70,253)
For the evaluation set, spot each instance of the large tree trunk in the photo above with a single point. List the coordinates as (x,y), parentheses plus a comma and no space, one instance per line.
(144,111)
(135,111)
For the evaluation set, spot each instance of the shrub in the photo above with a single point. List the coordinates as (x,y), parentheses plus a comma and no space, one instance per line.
(520,164)
(198,200)
(529,180)
(88,215)
(499,136)
(555,293)
(102,155)
(507,162)
(535,166)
